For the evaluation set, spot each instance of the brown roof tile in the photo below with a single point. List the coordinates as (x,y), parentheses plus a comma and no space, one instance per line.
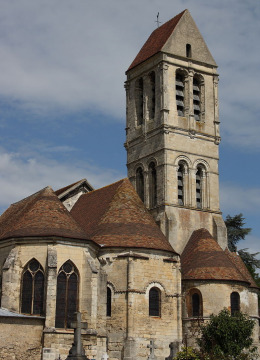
(41,214)
(203,259)
(238,262)
(156,40)
(114,216)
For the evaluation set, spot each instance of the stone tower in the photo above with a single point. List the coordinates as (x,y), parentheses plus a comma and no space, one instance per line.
(172,131)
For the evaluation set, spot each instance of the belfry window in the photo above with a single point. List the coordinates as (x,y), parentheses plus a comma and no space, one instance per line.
(199,188)
(179,89)
(109,298)
(151,102)
(67,295)
(140,183)
(196,99)
(181,184)
(32,294)
(234,302)
(139,100)
(154,302)
(152,185)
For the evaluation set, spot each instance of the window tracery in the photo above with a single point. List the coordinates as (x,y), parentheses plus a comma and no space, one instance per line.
(32,289)
(67,295)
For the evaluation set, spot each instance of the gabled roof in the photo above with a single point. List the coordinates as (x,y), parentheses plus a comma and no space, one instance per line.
(203,259)
(156,40)
(239,263)
(171,38)
(65,190)
(115,216)
(41,214)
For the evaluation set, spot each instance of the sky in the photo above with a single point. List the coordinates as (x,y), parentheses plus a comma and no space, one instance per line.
(62,97)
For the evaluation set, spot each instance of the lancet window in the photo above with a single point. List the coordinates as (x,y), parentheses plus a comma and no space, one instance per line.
(67,295)
(152,185)
(151,98)
(154,302)
(188,50)
(181,170)
(140,183)
(199,194)
(180,93)
(139,100)
(32,289)
(109,301)
(235,302)
(197,99)
(194,303)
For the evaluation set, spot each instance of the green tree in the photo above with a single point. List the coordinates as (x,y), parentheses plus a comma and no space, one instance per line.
(237,232)
(227,337)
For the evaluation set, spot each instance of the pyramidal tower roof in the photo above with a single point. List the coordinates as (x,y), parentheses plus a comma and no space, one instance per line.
(172,37)
(41,214)
(203,259)
(115,216)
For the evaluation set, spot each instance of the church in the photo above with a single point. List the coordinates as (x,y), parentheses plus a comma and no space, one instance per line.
(145,259)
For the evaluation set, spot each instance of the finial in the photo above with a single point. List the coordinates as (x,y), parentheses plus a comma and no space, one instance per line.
(157,21)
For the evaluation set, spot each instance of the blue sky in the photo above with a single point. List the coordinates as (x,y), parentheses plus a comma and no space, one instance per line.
(62,99)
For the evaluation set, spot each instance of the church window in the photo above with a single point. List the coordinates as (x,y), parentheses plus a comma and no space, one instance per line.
(67,295)
(179,88)
(109,299)
(199,188)
(181,184)
(140,183)
(188,50)
(154,302)
(32,294)
(235,302)
(194,303)
(196,99)
(152,185)
(139,100)
(151,103)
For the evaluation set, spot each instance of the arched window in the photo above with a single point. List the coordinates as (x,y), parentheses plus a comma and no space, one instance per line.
(152,185)
(32,289)
(139,100)
(109,299)
(234,302)
(188,50)
(197,99)
(140,183)
(67,295)
(199,194)
(154,302)
(181,184)
(179,89)
(194,303)
(151,99)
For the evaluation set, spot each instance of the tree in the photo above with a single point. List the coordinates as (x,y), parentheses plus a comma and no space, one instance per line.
(227,337)
(235,233)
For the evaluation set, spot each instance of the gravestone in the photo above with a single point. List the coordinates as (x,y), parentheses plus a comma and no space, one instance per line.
(77,351)
(174,347)
(152,347)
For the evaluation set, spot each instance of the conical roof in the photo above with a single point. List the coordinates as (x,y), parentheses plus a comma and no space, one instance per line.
(203,259)
(41,214)
(115,216)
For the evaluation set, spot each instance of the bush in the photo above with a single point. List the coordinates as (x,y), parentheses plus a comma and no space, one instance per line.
(187,354)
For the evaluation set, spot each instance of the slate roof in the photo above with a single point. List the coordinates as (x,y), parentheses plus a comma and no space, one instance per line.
(115,216)
(41,214)
(156,40)
(238,262)
(203,259)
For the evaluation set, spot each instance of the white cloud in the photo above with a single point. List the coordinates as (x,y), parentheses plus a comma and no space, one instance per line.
(22,175)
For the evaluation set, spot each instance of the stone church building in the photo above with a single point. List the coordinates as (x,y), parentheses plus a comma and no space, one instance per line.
(145,259)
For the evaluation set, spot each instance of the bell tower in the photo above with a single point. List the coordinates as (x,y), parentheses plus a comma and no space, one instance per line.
(172,131)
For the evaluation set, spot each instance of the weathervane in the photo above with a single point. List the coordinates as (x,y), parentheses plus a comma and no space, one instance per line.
(157,21)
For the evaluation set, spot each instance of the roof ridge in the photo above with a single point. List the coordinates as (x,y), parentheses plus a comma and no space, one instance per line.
(103,187)
(37,192)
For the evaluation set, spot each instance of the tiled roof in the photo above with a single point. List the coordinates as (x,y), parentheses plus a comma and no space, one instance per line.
(156,40)
(114,216)
(41,214)
(203,259)
(238,262)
